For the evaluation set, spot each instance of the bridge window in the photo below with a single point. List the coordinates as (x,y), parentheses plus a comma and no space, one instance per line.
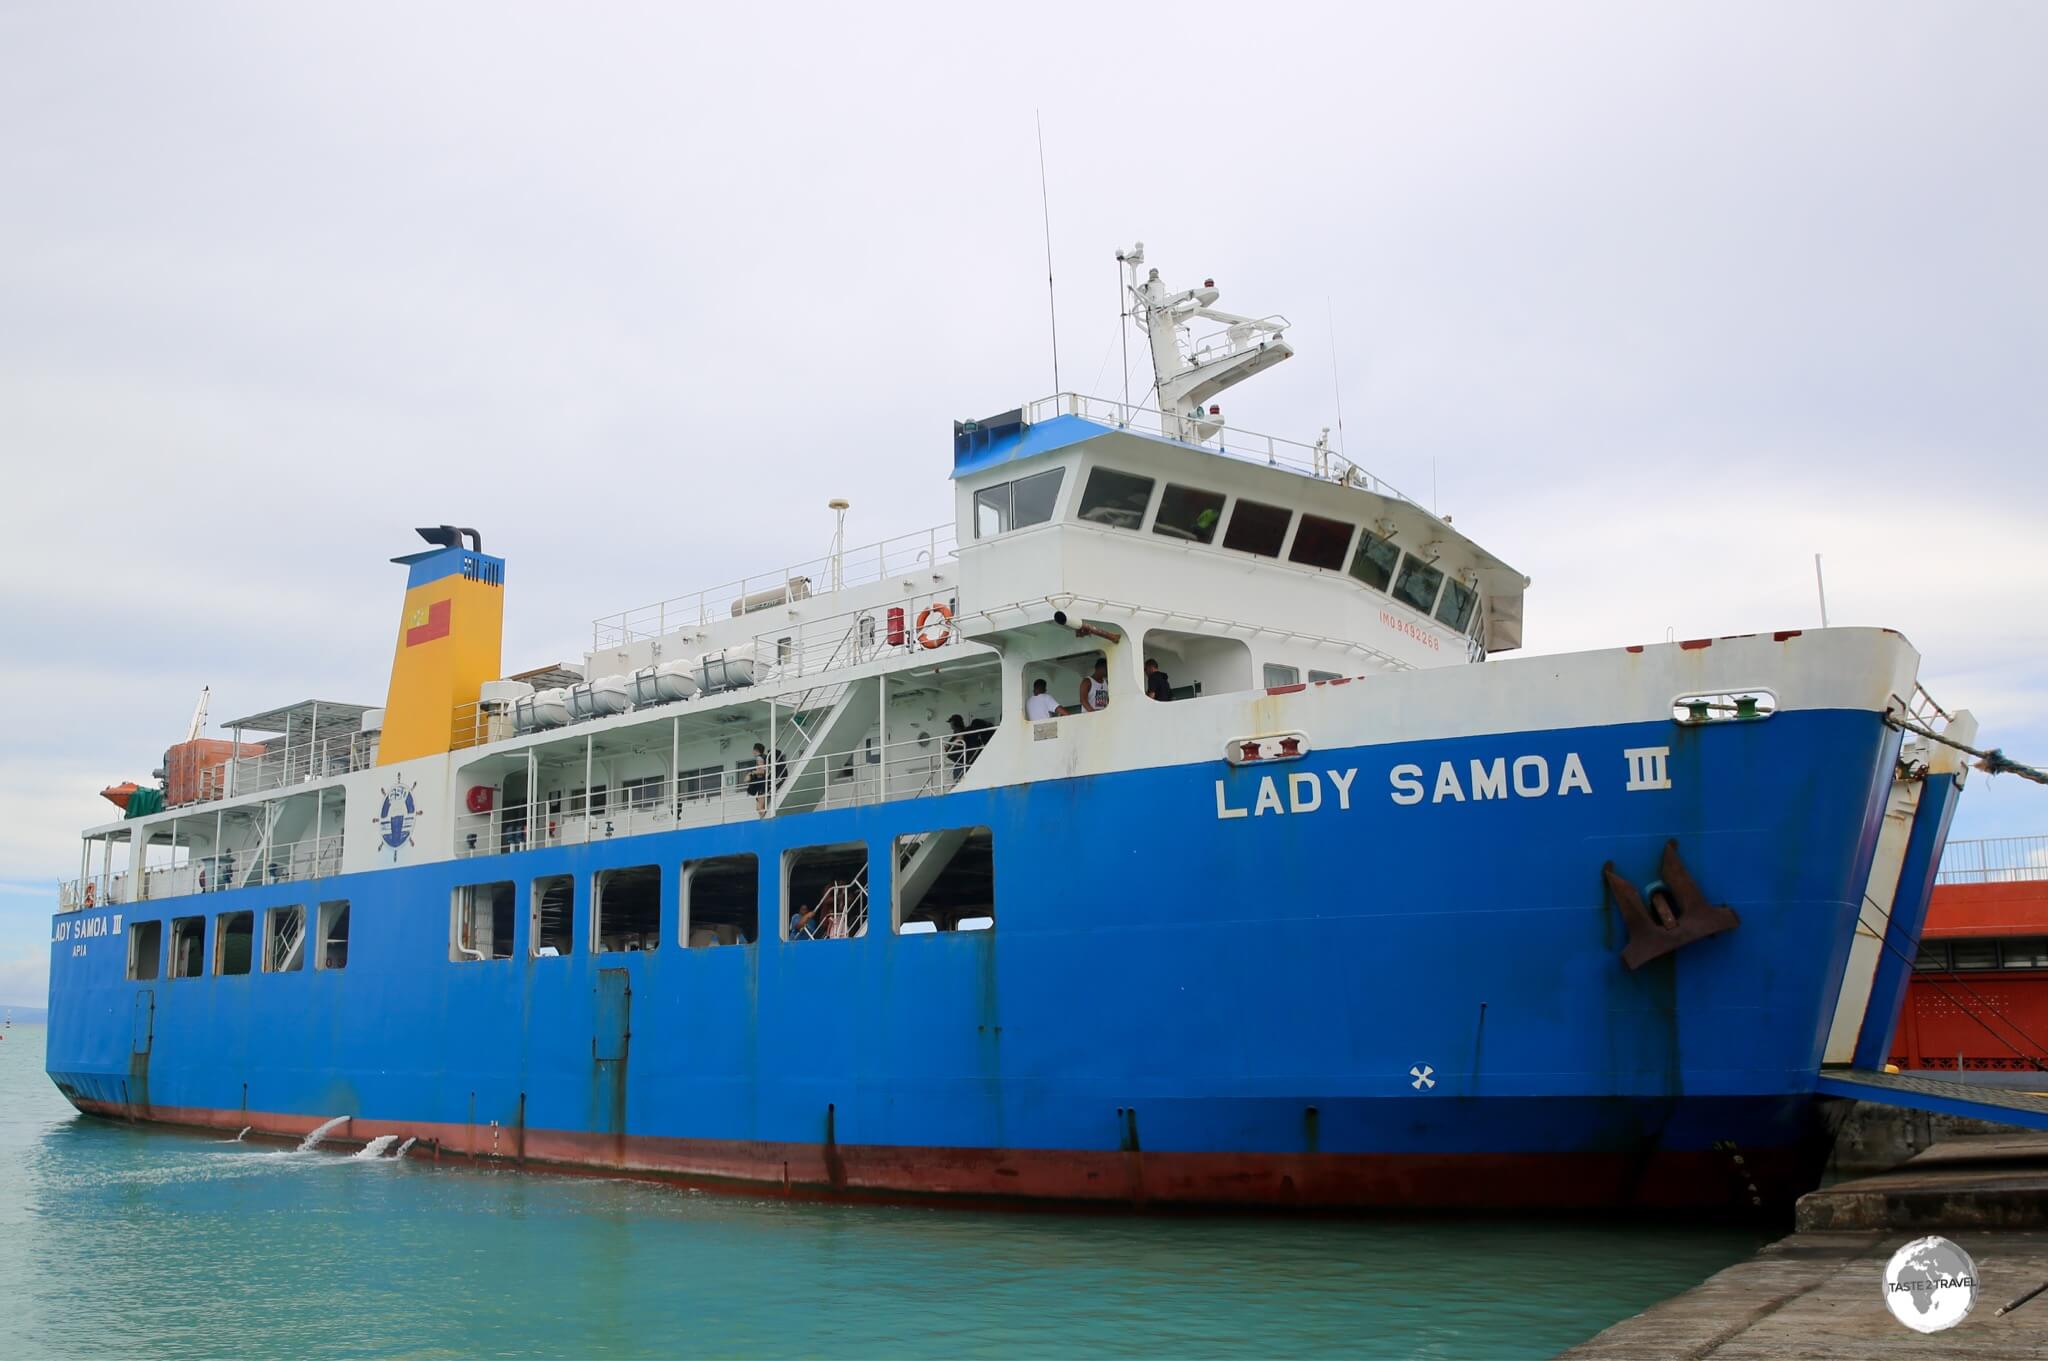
(331,943)
(625,909)
(284,940)
(1277,675)
(480,922)
(188,946)
(1320,542)
(553,928)
(945,881)
(145,950)
(1013,505)
(721,901)
(1374,561)
(234,942)
(1188,513)
(1418,583)
(825,894)
(1115,499)
(1257,528)
(1456,607)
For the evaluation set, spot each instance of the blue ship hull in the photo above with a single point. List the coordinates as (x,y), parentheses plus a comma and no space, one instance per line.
(1371,1003)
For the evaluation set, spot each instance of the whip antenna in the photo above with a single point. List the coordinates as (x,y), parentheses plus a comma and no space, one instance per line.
(1045,207)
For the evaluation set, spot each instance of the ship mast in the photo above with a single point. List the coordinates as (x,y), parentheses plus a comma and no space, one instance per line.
(1189,369)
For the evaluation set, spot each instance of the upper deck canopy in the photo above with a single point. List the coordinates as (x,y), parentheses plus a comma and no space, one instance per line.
(307,721)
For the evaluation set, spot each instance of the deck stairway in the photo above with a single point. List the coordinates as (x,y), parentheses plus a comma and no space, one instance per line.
(289,945)
(921,864)
(829,720)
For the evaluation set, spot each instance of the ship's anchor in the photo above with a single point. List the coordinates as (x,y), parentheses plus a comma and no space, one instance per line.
(1676,912)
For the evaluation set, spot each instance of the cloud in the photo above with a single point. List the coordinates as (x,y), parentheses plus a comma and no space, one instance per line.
(25,976)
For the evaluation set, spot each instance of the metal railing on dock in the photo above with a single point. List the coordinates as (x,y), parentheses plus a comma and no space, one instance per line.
(1994,860)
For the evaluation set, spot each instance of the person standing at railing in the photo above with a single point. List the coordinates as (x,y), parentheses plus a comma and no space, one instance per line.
(757,780)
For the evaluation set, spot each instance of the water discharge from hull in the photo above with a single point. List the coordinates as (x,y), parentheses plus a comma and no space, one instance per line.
(375,1148)
(404,1146)
(312,1141)
(244,1134)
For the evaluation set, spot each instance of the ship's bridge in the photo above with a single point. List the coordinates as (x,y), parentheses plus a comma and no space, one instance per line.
(1066,506)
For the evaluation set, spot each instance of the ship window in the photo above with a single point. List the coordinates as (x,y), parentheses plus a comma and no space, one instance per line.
(1418,583)
(1374,561)
(284,940)
(145,950)
(1933,956)
(702,783)
(1188,513)
(333,937)
(721,901)
(2030,952)
(825,892)
(188,946)
(1281,675)
(1320,542)
(1257,528)
(945,881)
(1013,505)
(552,930)
(1455,608)
(234,942)
(625,909)
(644,792)
(480,922)
(1115,499)
(1319,676)
(1973,954)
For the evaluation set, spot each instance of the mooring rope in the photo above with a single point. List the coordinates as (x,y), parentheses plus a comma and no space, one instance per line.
(1992,762)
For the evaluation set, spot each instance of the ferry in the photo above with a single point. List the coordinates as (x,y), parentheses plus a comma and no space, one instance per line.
(1174,824)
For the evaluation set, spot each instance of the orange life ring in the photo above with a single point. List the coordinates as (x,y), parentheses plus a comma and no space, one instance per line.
(945,634)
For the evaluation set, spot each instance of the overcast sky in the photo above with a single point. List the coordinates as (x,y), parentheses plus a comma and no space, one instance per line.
(1662,299)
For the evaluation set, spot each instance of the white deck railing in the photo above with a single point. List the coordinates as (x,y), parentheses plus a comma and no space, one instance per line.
(862,566)
(812,648)
(858,777)
(1311,460)
(314,857)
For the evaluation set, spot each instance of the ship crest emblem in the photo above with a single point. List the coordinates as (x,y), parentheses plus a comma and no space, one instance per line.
(397,818)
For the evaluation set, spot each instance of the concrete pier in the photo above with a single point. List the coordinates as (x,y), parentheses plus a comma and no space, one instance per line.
(1818,1293)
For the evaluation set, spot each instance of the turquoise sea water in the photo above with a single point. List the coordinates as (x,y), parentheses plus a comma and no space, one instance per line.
(130,1242)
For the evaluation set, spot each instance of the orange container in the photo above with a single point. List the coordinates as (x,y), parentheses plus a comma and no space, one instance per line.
(197,770)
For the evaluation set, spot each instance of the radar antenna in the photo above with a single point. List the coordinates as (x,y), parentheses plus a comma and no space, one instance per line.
(1188,369)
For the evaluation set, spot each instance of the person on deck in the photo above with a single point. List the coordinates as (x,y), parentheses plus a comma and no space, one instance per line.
(1095,687)
(956,746)
(757,780)
(1156,685)
(1041,706)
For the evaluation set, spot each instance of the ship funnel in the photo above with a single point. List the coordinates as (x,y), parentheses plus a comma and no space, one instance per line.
(449,637)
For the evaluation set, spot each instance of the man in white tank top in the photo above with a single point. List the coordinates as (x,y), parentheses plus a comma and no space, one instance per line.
(1095,688)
